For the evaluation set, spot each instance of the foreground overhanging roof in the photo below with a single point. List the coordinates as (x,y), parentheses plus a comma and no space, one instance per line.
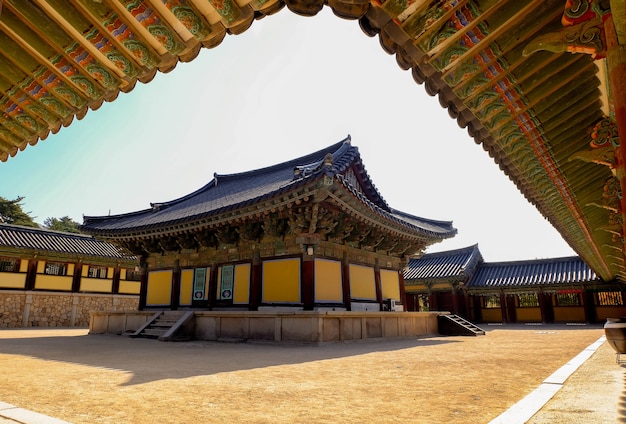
(529,108)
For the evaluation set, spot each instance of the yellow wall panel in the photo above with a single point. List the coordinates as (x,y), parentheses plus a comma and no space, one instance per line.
(53,282)
(186,286)
(569,314)
(70,269)
(328,286)
(84,271)
(12,280)
(123,274)
(491,315)
(41,266)
(241,292)
(159,288)
(129,287)
(23,265)
(528,314)
(362,282)
(99,285)
(281,281)
(390,284)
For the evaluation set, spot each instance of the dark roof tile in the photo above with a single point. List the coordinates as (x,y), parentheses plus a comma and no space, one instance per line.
(44,240)
(226,192)
(532,273)
(457,263)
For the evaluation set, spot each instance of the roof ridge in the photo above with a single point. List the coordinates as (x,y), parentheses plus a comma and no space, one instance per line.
(41,229)
(538,260)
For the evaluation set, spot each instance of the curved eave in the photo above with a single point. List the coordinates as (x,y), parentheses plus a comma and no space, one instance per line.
(530,113)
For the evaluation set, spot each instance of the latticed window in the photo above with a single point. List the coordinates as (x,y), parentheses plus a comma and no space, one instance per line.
(492,301)
(9,264)
(55,268)
(610,299)
(132,275)
(528,300)
(568,299)
(97,272)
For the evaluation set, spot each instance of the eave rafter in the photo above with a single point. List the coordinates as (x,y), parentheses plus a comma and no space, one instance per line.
(500,67)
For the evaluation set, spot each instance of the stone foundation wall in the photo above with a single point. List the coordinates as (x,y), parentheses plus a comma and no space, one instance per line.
(282,326)
(58,309)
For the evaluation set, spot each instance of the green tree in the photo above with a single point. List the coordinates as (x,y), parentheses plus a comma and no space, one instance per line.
(11,212)
(65,223)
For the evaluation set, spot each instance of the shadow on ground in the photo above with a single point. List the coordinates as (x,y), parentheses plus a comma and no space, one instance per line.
(151,360)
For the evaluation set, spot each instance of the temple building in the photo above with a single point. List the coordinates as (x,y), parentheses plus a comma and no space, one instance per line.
(555,290)
(311,234)
(55,279)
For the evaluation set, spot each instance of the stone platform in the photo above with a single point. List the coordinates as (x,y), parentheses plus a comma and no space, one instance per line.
(280,326)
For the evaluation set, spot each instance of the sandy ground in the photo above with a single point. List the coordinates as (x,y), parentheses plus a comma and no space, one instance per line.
(84,378)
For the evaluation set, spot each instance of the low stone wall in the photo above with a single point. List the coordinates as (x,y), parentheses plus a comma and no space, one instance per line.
(58,309)
(279,326)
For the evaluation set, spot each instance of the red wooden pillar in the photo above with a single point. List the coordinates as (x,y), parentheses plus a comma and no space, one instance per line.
(255,282)
(31,274)
(467,302)
(403,296)
(212,295)
(455,301)
(307,283)
(379,291)
(503,307)
(115,287)
(78,271)
(175,293)
(432,301)
(345,283)
(143,287)
(589,306)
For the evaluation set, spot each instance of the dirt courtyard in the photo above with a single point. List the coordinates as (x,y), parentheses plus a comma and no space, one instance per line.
(81,378)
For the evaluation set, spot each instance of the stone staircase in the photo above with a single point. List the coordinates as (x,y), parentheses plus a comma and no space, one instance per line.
(454,325)
(168,326)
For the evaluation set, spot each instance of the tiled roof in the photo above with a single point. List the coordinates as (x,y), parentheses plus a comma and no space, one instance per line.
(44,240)
(229,192)
(457,263)
(532,273)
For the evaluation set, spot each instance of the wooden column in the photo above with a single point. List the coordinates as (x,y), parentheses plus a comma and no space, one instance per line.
(477,308)
(511,308)
(31,274)
(175,293)
(345,282)
(468,306)
(546,307)
(78,272)
(255,282)
(212,294)
(589,306)
(143,288)
(307,283)
(115,288)
(377,284)
(503,307)
(403,296)
(455,301)
(433,304)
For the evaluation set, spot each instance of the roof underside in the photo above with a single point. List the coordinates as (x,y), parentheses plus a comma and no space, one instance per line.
(60,58)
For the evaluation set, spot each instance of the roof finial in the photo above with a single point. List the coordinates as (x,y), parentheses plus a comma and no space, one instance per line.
(328,159)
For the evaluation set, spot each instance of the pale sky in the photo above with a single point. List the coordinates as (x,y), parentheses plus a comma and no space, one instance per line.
(288,86)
